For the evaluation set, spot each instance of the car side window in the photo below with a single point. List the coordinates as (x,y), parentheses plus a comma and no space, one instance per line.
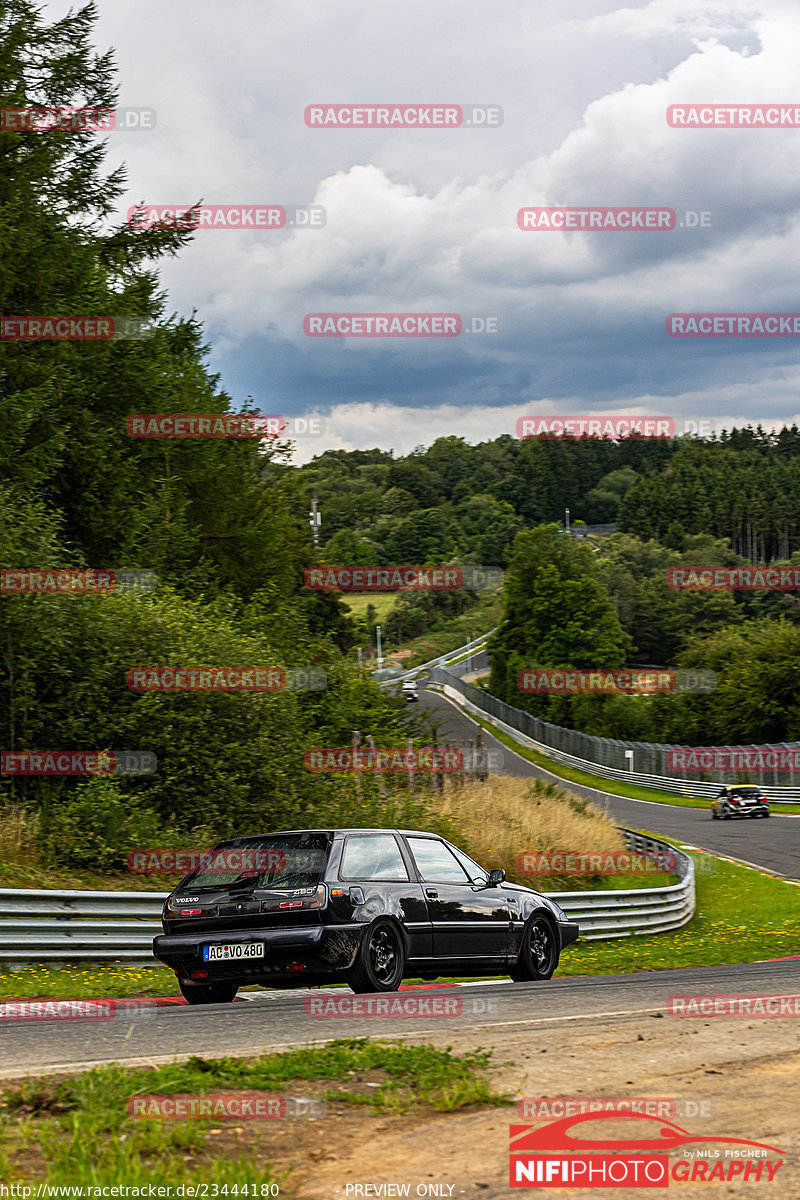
(376,857)
(473,870)
(436,863)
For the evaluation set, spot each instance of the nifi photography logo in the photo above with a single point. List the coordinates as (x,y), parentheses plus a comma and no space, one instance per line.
(657,1152)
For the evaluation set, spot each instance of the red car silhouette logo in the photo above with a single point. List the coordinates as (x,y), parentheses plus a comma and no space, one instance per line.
(527,1139)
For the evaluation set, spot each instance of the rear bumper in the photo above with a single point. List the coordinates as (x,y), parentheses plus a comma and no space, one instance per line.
(319,949)
(568,932)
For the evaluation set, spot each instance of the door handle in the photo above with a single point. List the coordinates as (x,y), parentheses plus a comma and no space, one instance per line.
(432,893)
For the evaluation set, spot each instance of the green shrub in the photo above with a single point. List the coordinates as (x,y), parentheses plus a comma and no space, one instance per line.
(96,825)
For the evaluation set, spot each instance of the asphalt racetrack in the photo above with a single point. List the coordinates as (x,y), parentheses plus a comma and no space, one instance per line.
(276,1020)
(773,844)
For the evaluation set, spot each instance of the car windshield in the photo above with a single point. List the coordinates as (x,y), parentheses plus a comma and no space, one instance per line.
(281,862)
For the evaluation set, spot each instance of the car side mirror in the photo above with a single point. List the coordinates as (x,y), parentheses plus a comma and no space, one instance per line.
(496,877)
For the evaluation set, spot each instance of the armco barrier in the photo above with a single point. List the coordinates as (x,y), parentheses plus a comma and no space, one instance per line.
(601,756)
(48,926)
(390,675)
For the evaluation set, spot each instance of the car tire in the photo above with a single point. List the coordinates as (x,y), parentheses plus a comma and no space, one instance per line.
(767,814)
(208,993)
(714,815)
(725,812)
(538,956)
(380,961)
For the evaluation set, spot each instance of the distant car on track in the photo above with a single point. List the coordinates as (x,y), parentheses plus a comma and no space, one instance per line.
(410,691)
(739,800)
(302,908)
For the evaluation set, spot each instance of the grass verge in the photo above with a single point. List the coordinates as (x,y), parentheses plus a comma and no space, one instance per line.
(742,915)
(80,1128)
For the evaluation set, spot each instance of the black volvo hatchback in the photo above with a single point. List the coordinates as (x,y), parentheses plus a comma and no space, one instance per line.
(365,906)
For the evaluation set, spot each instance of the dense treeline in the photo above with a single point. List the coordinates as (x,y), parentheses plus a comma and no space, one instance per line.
(457,501)
(567,606)
(222,522)
(744,487)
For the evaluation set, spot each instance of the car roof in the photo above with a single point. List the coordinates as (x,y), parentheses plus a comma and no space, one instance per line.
(333,832)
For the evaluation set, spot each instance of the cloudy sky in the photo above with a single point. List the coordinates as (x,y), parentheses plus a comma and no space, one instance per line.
(426,220)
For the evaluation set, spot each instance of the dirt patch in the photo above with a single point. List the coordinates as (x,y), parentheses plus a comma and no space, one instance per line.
(744,1076)
(726,1078)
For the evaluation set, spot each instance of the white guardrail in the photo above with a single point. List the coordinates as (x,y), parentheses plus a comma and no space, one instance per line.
(451,685)
(65,926)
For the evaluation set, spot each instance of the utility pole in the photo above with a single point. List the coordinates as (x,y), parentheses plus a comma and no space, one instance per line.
(566,521)
(380,656)
(315,522)
(359,659)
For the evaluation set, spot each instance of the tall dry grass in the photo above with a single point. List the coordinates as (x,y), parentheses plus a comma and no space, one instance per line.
(505,817)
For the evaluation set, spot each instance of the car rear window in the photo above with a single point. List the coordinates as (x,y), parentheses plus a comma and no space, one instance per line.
(282,862)
(373,857)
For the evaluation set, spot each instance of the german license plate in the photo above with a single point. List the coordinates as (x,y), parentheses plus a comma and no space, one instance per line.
(230,950)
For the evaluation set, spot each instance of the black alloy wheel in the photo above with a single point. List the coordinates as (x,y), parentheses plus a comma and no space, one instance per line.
(380,960)
(538,957)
